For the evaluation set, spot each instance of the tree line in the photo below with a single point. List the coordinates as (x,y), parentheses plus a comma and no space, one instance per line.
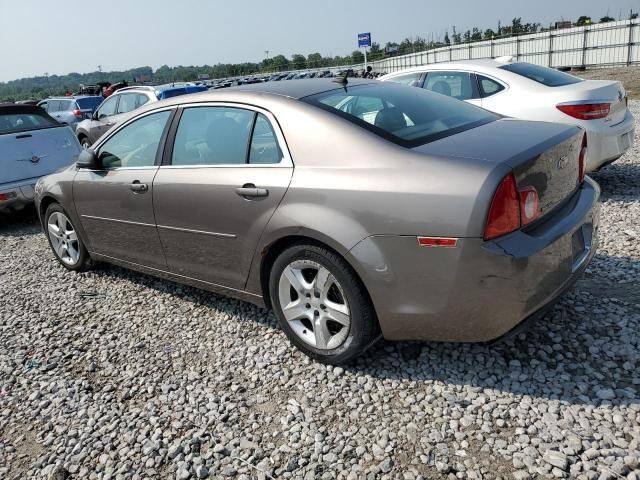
(47,85)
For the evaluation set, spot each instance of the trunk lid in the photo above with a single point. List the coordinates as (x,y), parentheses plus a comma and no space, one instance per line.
(35,153)
(596,91)
(540,154)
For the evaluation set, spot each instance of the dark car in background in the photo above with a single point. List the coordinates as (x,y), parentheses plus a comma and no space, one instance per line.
(71,110)
(32,144)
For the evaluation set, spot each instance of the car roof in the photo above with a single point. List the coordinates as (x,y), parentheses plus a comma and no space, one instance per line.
(12,108)
(298,89)
(479,64)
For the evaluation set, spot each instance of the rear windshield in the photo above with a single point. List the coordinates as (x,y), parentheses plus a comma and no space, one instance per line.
(404,115)
(545,76)
(89,103)
(21,122)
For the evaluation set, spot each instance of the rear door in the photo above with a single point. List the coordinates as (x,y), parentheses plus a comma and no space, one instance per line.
(115,202)
(226,173)
(33,145)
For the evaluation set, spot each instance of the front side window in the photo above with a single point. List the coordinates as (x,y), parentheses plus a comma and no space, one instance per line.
(264,144)
(543,75)
(406,116)
(452,84)
(488,86)
(212,136)
(411,79)
(136,144)
(128,103)
(108,108)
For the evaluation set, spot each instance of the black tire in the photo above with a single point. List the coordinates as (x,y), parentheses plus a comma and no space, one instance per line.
(84,261)
(84,141)
(364,329)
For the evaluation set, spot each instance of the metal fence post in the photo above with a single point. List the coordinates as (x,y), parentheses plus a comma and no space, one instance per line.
(629,46)
(584,47)
(550,49)
(517,48)
(492,53)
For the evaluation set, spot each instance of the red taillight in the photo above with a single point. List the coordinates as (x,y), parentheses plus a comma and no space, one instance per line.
(529,205)
(78,113)
(582,158)
(511,208)
(504,213)
(586,111)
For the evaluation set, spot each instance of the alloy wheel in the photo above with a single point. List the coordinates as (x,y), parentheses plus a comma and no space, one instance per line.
(314,304)
(64,238)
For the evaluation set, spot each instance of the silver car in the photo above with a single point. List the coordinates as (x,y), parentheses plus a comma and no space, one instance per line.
(32,144)
(71,110)
(355,210)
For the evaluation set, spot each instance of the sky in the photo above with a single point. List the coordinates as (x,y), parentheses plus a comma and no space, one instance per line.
(62,36)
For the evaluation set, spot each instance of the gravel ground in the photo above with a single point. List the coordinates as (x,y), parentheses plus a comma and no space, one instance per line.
(114,375)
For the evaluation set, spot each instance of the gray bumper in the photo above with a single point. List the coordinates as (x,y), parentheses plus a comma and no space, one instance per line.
(477,291)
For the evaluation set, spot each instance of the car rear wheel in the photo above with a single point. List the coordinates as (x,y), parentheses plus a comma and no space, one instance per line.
(85,142)
(321,304)
(64,240)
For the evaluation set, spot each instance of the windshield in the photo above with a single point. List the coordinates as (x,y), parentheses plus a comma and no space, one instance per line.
(404,115)
(21,122)
(545,76)
(89,103)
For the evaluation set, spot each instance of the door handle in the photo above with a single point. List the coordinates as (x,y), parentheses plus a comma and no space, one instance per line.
(138,187)
(249,190)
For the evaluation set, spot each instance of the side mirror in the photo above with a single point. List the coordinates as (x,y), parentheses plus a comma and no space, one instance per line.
(87,159)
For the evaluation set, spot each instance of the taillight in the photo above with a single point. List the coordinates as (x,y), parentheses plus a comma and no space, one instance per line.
(78,113)
(582,158)
(586,111)
(504,213)
(511,208)
(529,205)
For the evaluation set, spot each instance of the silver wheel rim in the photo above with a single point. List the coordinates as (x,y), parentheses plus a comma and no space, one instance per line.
(64,238)
(314,304)
(85,144)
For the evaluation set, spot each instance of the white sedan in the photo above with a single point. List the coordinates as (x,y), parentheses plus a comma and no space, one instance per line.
(531,92)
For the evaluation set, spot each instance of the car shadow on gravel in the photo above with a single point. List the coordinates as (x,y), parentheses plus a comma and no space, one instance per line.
(18,224)
(584,351)
(618,179)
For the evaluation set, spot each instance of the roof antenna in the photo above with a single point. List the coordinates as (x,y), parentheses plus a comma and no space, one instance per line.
(341,79)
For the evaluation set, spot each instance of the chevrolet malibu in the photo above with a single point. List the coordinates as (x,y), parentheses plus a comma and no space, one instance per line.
(354,209)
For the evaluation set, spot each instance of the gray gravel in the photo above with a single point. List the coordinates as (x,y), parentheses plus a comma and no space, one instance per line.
(114,375)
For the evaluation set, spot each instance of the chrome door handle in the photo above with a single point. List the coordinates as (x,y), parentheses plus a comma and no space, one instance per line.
(138,187)
(251,191)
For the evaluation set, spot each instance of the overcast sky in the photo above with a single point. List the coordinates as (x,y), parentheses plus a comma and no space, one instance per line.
(62,36)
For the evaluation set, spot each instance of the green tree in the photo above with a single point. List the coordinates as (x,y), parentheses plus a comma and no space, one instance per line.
(314,60)
(357,56)
(280,63)
(583,20)
(476,35)
(447,40)
(489,34)
(299,61)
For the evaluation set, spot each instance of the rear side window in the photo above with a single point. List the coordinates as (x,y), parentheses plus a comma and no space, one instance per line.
(406,116)
(128,103)
(543,75)
(53,106)
(411,79)
(488,86)
(21,122)
(264,144)
(141,99)
(212,136)
(66,105)
(452,84)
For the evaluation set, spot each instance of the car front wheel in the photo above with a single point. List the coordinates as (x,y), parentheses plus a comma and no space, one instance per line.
(321,304)
(85,142)
(64,240)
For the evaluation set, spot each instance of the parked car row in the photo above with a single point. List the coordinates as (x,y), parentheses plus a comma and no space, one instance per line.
(355,208)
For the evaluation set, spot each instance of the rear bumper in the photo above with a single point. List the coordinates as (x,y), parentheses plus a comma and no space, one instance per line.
(16,195)
(477,291)
(609,143)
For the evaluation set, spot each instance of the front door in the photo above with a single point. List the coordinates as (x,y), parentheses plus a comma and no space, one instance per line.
(103,120)
(226,177)
(115,202)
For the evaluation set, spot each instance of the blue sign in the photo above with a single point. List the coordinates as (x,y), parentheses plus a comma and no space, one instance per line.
(364,40)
